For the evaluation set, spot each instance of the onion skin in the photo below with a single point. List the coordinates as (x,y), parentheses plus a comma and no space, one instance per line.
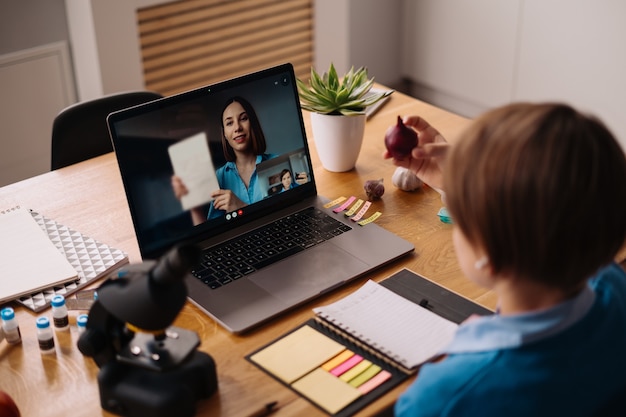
(374,189)
(400,140)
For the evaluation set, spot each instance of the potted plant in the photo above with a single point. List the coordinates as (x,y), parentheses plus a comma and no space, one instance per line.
(337,106)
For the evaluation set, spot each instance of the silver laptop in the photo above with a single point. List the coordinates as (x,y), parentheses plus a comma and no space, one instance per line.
(280,249)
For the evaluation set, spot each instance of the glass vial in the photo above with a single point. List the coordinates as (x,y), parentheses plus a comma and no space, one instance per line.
(45,335)
(10,326)
(81,322)
(59,313)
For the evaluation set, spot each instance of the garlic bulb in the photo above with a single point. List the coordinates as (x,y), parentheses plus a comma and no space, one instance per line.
(374,189)
(405,179)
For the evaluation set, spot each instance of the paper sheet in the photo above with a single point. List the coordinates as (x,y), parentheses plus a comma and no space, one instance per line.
(30,261)
(327,391)
(297,353)
(192,162)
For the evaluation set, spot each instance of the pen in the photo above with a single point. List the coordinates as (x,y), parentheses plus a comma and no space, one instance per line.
(266,410)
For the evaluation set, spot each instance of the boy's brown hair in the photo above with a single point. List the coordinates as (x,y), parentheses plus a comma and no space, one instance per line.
(542,189)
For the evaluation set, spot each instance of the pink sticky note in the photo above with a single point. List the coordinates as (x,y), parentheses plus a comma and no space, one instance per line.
(344,205)
(375,381)
(340,369)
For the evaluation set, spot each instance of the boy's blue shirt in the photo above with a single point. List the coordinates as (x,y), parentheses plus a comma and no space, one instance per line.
(568,360)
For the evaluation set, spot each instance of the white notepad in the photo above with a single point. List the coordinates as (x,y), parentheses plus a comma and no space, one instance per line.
(191,159)
(29,260)
(404,331)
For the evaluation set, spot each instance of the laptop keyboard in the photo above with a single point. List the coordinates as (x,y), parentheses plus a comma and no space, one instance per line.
(227,262)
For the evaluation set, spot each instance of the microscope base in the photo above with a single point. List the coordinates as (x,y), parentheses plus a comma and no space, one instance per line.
(134,391)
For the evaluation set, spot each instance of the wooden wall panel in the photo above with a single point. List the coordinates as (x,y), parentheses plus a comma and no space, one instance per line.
(190,43)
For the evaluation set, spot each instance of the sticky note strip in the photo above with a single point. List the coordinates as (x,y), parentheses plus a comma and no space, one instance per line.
(361,212)
(338,360)
(327,391)
(370,218)
(354,208)
(340,369)
(371,371)
(296,354)
(344,205)
(334,202)
(355,370)
(374,382)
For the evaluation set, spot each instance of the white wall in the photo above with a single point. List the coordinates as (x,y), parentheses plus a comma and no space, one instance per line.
(575,51)
(359,33)
(471,56)
(105,45)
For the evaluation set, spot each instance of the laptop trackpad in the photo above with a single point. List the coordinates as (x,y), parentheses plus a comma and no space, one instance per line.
(309,273)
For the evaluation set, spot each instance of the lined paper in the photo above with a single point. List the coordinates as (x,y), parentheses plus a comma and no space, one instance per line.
(391,324)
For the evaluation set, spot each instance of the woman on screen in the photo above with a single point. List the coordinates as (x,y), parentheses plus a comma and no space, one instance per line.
(244,146)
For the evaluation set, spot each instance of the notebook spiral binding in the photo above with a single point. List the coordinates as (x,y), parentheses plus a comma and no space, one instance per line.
(353,339)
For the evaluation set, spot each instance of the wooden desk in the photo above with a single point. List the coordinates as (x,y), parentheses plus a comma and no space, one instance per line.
(89,197)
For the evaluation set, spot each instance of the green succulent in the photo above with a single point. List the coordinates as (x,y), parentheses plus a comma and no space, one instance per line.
(328,94)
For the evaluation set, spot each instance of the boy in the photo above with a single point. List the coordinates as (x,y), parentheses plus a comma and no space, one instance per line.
(538,197)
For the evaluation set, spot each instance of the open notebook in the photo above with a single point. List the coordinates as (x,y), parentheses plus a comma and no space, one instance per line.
(361,346)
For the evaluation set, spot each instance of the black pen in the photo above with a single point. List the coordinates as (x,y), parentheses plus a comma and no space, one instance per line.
(266,410)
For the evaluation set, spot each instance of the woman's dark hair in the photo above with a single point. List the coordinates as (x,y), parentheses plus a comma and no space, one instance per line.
(259,144)
(541,188)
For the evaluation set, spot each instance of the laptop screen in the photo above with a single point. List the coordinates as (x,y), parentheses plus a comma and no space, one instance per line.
(202,162)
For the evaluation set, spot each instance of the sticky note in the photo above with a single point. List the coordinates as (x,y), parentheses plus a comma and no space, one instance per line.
(340,369)
(355,370)
(374,382)
(354,208)
(325,390)
(344,205)
(362,212)
(370,218)
(365,376)
(338,360)
(296,354)
(334,202)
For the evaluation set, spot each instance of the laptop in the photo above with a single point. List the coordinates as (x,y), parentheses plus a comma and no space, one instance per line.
(180,137)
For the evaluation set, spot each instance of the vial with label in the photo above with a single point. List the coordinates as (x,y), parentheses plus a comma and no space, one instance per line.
(45,335)
(81,322)
(10,326)
(59,313)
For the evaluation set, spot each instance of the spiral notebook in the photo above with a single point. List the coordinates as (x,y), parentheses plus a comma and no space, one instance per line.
(363,345)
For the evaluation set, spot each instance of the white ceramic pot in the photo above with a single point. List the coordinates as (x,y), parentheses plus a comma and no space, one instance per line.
(338,140)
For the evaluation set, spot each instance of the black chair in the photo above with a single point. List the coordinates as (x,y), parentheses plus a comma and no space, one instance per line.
(80,132)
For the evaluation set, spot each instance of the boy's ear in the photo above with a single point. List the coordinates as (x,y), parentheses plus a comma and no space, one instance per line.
(482,263)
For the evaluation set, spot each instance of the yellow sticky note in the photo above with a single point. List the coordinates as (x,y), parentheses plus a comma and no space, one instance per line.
(334,202)
(296,354)
(326,390)
(365,376)
(355,370)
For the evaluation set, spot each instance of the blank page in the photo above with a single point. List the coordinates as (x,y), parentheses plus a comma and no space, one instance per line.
(391,324)
(30,261)
(192,162)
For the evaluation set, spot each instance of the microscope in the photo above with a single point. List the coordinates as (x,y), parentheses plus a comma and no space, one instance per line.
(147,367)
